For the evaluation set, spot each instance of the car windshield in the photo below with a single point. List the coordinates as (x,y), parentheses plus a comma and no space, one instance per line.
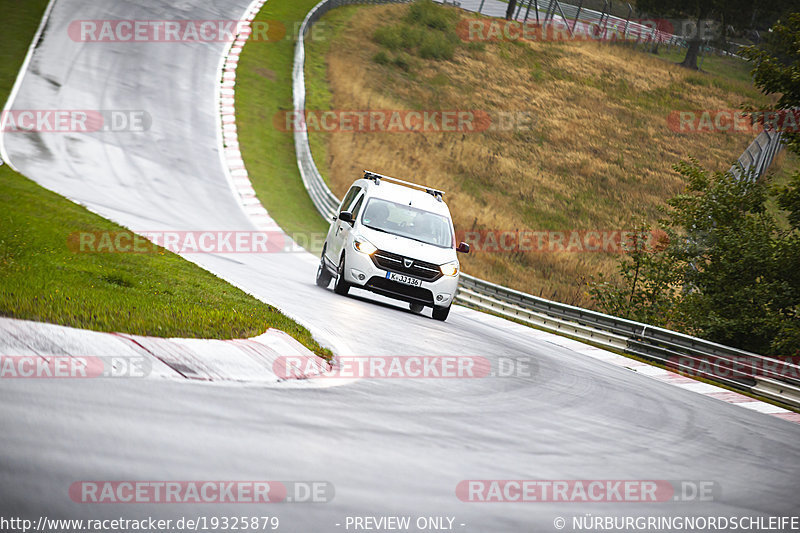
(406,221)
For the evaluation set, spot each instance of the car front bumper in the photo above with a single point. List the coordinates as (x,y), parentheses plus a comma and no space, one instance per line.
(361,271)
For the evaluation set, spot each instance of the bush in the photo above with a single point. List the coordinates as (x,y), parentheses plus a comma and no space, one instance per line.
(426,31)
(427,13)
(436,46)
(390,37)
(381,58)
(403,62)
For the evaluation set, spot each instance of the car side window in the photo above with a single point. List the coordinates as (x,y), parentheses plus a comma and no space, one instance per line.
(357,207)
(348,199)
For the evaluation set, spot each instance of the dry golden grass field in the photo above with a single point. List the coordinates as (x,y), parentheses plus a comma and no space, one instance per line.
(598,154)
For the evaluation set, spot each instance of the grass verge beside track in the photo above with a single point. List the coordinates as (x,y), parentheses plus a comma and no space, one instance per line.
(264,92)
(157,294)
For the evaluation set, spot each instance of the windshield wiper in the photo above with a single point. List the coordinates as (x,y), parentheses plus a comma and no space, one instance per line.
(420,240)
(381,229)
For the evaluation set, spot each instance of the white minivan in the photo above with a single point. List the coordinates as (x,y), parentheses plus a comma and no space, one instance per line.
(393,238)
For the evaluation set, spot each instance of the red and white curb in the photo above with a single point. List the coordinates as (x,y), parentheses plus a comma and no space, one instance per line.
(677,380)
(661,374)
(249,361)
(227,136)
(693,385)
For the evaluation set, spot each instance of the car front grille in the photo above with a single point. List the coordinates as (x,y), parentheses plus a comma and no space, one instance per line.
(394,289)
(397,263)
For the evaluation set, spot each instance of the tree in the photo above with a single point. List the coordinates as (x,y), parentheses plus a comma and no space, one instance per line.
(645,293)
(699,12)
(726,254)
(512,4)
(777,67)
(777,71)
(727,271)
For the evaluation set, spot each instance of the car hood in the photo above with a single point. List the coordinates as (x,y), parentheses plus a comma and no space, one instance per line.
(408,247)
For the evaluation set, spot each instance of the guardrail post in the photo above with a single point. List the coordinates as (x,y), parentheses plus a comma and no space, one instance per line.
(577,15)
(519,8)
(558,5)
(627,21)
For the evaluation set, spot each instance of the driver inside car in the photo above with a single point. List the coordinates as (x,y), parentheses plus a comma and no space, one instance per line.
(377,215)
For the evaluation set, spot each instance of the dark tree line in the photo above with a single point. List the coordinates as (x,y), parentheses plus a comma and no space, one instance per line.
(711,19)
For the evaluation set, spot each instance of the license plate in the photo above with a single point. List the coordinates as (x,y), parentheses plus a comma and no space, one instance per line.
(407,280)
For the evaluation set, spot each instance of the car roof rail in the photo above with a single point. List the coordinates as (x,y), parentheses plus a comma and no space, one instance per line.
(374,176)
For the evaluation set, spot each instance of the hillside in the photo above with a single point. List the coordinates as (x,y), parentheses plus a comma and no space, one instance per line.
(592,153)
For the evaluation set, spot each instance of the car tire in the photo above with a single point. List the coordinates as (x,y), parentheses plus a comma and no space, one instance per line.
(416,308)
(340,286)
(323,275)
(440,313)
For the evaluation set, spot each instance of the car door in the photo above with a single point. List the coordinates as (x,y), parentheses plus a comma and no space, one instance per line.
(346,229)
(338,230)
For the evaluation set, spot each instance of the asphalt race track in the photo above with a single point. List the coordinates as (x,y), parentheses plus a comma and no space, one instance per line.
(387,446)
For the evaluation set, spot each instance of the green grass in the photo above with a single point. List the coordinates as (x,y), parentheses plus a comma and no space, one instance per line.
(20,21)
(263,92)
(158,293)
(723,67)
(426,31)
(318,94)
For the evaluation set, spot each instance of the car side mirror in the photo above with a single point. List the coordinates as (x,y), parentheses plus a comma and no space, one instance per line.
(346,216)
(463,248)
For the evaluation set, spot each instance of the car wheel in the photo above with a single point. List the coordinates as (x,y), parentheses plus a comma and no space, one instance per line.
(416,308)
(323,275)
(340,286)
(440,313)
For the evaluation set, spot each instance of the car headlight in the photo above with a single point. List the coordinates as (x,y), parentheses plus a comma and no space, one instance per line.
(449,269)
(364,246)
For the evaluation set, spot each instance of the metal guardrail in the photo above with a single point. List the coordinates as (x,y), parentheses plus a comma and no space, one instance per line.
(603,21)
(676,350)
(324,200)
(748,371)
(757,158)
